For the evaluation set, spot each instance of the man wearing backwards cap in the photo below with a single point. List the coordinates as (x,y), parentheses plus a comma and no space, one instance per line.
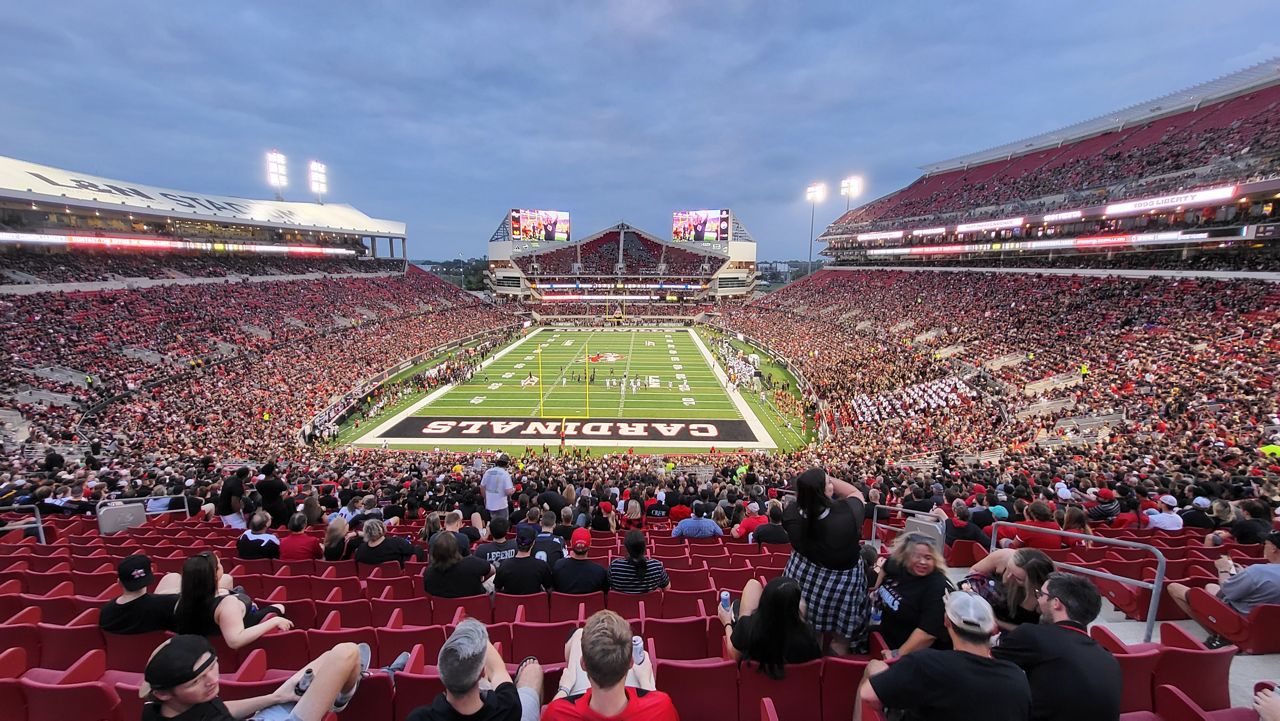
(932,684)
(181,682)
(575,573)
(1165,517)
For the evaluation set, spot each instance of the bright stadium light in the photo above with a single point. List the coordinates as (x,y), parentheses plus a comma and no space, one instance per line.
(815,193)
(850,188)
(319,179)
(277,171)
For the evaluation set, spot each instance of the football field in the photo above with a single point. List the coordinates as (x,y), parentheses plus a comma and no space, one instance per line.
(626,387)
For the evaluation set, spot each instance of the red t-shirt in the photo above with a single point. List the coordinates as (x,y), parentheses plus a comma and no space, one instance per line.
(750,524)
(1031,539)
(299,547)
(641,706)
(679,513)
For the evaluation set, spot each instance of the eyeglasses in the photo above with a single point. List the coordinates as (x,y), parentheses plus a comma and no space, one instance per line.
(1041,594)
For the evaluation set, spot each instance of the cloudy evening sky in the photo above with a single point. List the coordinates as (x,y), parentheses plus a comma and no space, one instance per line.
(446,114)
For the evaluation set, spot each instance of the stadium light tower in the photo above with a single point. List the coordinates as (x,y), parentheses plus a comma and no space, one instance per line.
(319,180)
(815,193)
(850,188)
(277,172)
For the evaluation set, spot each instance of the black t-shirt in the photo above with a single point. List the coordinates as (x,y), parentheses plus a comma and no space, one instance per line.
(547,547)
(576,575)
(255,548)
(1071,676)
(500,704)
(923,505)
(836,538)
(799,647)
(910,602)
(391,549)
(213,710)
(232,487)
(954,686)
(273,490)
(522,576)
(464,578)
(657,510)
(329,503)
(552,500)
(565,531)
(141,615)
(1196,518)
(343,549)
(770,533)
(1250,530)
(970,531)
(497,552)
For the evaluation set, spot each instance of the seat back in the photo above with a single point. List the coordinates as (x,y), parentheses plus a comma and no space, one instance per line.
(802,688)
(1137,669)
(688,684)
(683,639)
(840,679)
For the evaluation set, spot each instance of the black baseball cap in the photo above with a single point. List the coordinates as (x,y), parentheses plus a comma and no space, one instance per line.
(525,537)
(176,662)
(135,572)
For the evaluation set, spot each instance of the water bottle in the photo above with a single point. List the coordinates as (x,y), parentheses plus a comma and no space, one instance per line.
(637,650)
(724,599)
(304,683)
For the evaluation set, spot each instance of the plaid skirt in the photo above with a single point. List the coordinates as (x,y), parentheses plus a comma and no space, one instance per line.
(834,600)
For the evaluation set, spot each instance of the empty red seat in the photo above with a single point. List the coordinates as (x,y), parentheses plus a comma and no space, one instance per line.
(689,685)
(536,607)
(802,689)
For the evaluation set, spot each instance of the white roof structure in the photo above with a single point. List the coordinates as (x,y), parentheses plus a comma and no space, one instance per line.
(1260,75)
(43,184)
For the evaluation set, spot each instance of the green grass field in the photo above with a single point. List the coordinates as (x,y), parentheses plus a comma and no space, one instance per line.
(544,380)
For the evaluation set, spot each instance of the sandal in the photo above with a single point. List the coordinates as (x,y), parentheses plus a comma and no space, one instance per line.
(525,662)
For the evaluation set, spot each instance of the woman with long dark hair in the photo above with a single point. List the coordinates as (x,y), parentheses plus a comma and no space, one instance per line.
(205,609)
(636,573)
(770,627)
(451,574)
(824,525)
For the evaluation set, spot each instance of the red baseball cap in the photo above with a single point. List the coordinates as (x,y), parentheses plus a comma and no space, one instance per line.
(580,540)
(1106,494)
(606,507)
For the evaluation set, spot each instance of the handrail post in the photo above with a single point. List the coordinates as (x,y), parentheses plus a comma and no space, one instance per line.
(39,521)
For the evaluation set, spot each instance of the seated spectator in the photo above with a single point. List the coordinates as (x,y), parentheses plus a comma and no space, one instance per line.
(1197,516)
(136,610)
(452,575)
(636,573)
(698,525)
(256,542)
(548,545)
(1060,658)
(769,627)
(634,517)
(576,573)
(453,524)
(181,682)
(468,661)
(1075,521)
(206,608)
(523,573)
(604,519)
(1240,588)
(959,527)
(721,519)
(340,543)
(1038,514)
(930,685)
(909,589)
(499,548)
(1106,509)
(1164,517)
(771,532)
(158,503)
(298,545)
(750,522)
(1008,580)
(601,650)
(532,520)
(1253,527)
(378,547)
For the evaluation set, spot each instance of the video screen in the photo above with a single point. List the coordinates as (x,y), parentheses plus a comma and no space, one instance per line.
(539,225)
(700,226)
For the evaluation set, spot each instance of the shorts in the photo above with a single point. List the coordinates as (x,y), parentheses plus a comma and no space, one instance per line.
(279,712)
(235,520)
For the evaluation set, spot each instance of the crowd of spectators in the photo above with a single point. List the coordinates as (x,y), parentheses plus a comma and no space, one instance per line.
(1221,261)
(640,256)
(93,267)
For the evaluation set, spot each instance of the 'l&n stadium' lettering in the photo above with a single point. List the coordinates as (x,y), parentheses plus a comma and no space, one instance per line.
(186,201)
(539,430)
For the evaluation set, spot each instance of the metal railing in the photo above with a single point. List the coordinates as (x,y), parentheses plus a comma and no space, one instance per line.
(37,524)
(875,519)
(1155,585)
(106,502)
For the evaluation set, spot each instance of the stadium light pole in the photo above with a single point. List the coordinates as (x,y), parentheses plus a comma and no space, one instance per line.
(815,193)
(850,188)
(319,177)
(277,172)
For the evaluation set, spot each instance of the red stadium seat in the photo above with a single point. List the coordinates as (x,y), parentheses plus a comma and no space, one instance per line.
(687,683)
(1259,632)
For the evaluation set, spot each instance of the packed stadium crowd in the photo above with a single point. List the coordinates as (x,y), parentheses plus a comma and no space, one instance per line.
(114,266)
(1213,261)
(640,256)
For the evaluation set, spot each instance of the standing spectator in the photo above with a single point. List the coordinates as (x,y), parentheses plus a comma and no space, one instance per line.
(497,487)
(1061,659)
(231,498)
(576,573)
(697,525)
(272,490)
(452,575)
(636,573)
(379,548)
(770,627)
(256,542)
(602,650)
(909,589)
(522,574)
(931,685)
(826,542)
(465,660)
(298,545)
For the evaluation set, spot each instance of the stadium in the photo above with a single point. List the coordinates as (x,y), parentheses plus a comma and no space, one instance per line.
(1039,377)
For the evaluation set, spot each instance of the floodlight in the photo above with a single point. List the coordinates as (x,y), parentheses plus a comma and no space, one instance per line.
(816,193)
(277,170)
(319,178)
(851,187)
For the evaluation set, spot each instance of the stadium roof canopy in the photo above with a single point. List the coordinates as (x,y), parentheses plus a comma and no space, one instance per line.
(43,184)
(619,228)
(1260,75)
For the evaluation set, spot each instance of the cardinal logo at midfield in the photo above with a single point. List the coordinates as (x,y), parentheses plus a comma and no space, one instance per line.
(606,357)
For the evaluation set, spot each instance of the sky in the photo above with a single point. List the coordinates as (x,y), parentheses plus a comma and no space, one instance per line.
(445,115)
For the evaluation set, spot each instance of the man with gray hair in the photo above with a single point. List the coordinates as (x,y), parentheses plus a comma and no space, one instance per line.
(476,682)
